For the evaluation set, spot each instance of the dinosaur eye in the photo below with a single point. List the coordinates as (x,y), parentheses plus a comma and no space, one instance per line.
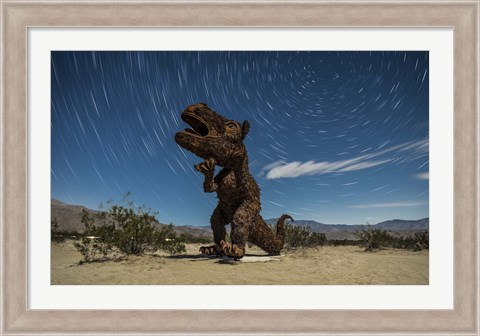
(231,126)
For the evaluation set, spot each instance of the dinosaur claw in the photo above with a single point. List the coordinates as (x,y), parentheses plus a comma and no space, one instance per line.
(210,163)
(211,250)
(232,250)
(206,166)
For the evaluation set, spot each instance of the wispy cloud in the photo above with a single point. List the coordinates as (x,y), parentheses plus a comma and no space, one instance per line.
(364,165)
(423,176)
(389,205)
(412,150)
(273,165)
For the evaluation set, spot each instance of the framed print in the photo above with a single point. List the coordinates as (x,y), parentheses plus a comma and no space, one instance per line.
(61,64)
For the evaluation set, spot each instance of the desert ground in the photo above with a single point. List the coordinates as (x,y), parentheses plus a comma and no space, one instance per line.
(327,265)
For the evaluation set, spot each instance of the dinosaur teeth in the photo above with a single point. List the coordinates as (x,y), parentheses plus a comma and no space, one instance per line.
(198,125)
(191,131)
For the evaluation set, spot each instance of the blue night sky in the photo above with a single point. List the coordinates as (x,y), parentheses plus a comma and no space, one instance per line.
(336,137)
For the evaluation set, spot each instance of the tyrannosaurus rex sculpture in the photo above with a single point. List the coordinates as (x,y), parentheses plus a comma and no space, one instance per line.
(219,141)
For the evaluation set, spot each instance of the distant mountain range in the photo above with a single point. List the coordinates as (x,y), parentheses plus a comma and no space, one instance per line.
(68,218)
(345,231)
(67,215)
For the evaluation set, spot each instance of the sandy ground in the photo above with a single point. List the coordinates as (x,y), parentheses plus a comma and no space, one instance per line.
(342,265)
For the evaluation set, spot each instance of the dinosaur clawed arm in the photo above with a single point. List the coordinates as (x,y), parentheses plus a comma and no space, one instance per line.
(207,168)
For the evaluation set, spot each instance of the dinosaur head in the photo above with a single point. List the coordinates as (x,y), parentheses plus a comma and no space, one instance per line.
(212,136)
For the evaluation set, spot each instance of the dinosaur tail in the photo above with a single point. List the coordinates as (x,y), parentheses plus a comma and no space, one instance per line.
(281,225)
(264,237)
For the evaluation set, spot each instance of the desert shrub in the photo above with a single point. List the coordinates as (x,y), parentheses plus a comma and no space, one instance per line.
(301,236)
(96,249)
(56,235)
(166,239)
(136,233)
(59,236)
(98,241)
(421,240)
(372,239)
(122,231)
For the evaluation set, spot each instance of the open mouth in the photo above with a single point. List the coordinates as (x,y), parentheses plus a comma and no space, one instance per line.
(199,127)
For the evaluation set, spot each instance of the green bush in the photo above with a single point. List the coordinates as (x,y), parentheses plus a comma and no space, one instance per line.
(301,236)
(372,239)
(123,231)
(166,239)
(421,241)
(56,236)
(59,236)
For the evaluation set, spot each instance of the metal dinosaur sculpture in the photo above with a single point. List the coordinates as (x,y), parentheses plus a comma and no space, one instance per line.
(219,141)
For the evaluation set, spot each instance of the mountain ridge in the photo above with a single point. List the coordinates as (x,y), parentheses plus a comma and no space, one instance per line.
(68,218)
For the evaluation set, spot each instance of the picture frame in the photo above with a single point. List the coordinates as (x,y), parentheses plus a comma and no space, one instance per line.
(18,16)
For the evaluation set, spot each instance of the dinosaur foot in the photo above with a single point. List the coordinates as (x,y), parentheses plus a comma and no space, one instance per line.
(211,250)
(232,250)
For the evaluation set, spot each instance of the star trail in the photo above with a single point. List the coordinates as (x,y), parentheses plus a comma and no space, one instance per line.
(336,137)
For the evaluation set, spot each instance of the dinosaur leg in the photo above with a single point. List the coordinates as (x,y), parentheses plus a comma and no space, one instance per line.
(242,221)
(217,223)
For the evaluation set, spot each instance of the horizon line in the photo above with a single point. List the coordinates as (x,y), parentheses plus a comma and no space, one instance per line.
(266,219)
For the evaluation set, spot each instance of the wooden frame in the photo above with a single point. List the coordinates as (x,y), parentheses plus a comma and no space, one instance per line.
(18,15)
